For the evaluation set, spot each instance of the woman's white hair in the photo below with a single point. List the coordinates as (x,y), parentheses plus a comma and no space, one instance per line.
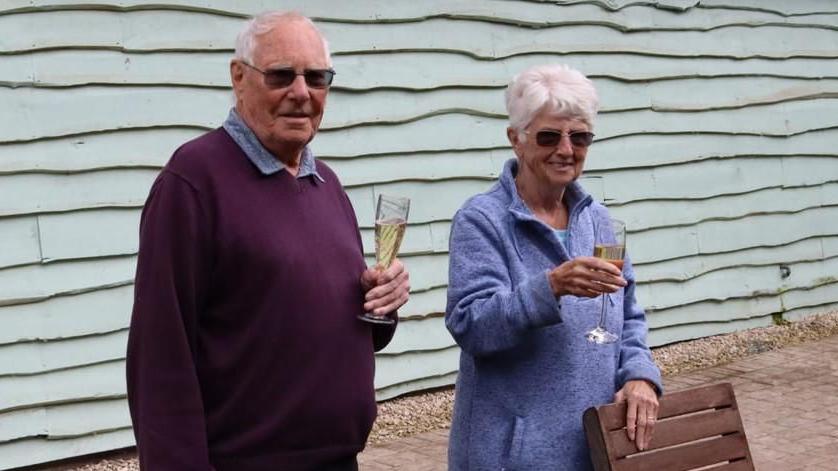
(264,23)
(556,89)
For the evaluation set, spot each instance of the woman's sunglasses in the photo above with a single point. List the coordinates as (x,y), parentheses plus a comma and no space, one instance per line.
(281,78)
(548,138)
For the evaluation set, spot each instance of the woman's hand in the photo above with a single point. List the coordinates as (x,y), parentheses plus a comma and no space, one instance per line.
(586,277)
(387,290)
(642,411)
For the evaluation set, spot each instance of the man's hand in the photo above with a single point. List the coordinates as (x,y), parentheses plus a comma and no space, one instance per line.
(641,413)
(585,277)
(387,290)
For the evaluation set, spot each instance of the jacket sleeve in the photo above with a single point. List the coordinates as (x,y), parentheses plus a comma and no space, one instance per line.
(173,267)
(485,313)
(635,357)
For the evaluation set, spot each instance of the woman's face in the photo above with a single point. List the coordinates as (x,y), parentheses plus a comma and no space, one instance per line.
(552,166)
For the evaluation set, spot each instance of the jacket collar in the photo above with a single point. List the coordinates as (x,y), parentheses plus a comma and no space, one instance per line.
(574,194)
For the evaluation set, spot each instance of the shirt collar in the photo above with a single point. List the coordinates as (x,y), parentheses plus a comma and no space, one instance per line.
(261,157)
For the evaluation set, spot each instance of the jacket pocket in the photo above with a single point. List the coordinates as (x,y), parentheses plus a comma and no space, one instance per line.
(514,446)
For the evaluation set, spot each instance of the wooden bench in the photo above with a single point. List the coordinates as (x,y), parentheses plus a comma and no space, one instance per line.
(696,427)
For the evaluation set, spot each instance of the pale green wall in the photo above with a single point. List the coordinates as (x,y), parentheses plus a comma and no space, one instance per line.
(717,143)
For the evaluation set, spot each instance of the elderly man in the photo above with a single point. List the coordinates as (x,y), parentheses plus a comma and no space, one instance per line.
(245,351)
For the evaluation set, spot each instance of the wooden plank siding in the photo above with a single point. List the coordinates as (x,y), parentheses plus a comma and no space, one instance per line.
(716,143)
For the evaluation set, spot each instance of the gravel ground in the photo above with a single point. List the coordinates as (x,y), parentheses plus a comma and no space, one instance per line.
(432,410)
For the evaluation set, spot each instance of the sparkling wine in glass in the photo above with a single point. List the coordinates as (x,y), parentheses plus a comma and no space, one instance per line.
(390,224)
(610,246)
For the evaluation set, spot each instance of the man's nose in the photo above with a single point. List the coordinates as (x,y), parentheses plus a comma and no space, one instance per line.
(298,89)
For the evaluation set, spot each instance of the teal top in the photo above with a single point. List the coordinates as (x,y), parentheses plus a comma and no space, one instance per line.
(562,235)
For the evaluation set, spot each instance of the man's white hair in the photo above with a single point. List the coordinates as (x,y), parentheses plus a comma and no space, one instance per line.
(264,23)
(556,89)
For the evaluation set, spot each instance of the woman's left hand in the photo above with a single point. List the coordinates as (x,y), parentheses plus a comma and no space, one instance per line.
(642,411)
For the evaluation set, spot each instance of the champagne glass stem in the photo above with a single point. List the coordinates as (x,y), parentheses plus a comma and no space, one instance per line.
(601,323)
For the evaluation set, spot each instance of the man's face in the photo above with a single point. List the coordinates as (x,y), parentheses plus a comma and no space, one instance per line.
(284,119)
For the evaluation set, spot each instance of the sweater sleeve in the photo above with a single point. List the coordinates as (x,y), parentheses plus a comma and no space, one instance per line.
(635,357)
(173,266)
(485,312)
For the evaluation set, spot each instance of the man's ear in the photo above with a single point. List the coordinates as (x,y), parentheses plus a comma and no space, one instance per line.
(236,75)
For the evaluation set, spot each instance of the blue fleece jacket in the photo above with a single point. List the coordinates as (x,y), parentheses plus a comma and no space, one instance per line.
(526,371)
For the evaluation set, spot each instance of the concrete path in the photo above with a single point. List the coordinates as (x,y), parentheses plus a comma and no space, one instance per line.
(788,400)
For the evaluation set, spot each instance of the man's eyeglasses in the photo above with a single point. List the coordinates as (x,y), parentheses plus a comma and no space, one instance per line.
(281,78)
(547,138)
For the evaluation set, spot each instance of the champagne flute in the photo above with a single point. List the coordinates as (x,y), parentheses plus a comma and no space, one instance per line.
(390,224)
(610,246)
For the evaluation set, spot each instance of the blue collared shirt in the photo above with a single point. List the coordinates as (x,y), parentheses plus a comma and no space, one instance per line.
(261,157)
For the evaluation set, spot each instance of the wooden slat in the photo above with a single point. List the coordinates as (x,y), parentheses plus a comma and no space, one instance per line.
(40,357)
(640,17)
(613,416)
(690,316)
(134,107)
(424,302)
(391,369)
(779,7)
(19,242)
(823,294)
(62,421)
(23,194)
(106,232)
(136,31)
(735,283)
(23,423)
(738,465)
(108,108)
(686,268)
(598,447)
(680,430)
(39,450)
(95,312)
(643,215)
(689,401)
(668,334)
(100,381)
(150,148)
(418,335)
(802,313)
(766,230)
(36,282)
(690,456)
(393,69)
(421,384)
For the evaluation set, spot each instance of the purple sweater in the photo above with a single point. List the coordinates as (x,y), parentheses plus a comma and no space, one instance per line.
(244,351)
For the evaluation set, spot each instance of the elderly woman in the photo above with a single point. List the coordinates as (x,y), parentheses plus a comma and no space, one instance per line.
(524,289)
